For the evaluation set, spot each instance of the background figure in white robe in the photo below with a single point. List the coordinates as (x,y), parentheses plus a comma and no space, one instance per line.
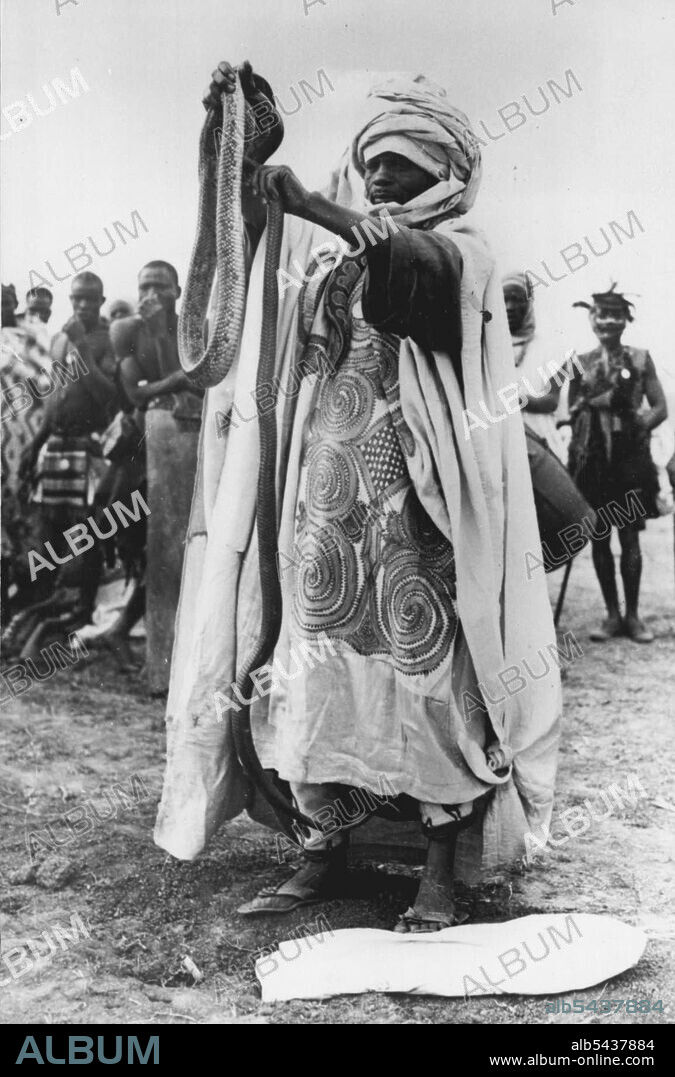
(539,389)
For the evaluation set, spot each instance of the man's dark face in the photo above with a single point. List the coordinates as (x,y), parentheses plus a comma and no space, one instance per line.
(87,301)
(516,307)
(40,306)
(392,178)
(608,325)
(158,283)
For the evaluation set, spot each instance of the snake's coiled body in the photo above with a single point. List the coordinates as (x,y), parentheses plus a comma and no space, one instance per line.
(219,244)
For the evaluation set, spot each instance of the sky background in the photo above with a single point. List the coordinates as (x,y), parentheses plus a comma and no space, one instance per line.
(130,143)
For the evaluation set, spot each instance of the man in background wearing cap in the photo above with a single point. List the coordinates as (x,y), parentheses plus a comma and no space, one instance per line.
(609,451)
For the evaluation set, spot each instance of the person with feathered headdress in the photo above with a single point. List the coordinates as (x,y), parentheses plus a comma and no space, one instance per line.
(609,455)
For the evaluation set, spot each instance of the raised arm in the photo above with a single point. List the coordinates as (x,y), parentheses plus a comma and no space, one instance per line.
(279,183)
(413,282)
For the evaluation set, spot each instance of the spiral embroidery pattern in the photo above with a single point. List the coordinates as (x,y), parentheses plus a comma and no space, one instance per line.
(346,405)
(372,569)
(416,611)
(332,481)
(329,581)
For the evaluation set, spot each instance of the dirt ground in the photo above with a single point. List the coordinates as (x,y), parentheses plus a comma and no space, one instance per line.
(90,728)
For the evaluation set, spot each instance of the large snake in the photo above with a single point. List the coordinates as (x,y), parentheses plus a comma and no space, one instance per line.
(219,245)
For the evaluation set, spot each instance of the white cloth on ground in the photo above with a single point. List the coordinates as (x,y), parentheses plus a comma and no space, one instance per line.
(542,954)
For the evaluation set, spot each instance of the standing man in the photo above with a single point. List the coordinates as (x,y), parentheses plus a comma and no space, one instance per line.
(165,411)
(66,453)
(403,542)
(609,455)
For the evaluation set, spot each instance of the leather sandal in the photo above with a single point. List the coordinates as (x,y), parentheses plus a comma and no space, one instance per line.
(317,879)
(411,923)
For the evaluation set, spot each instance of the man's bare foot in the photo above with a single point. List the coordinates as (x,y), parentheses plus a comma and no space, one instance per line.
(612,626)
(637,629)
(434,907)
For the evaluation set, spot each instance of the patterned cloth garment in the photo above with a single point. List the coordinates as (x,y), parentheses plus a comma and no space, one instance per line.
(375,578)
(24,382)
(375,572)
(64,472)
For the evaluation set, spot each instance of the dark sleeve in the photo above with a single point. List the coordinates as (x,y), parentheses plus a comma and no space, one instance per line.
(412,289)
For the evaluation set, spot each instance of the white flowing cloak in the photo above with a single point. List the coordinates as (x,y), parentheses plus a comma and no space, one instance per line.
(475,488)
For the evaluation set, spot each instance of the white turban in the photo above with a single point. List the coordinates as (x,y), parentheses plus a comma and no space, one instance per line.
(417,122)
